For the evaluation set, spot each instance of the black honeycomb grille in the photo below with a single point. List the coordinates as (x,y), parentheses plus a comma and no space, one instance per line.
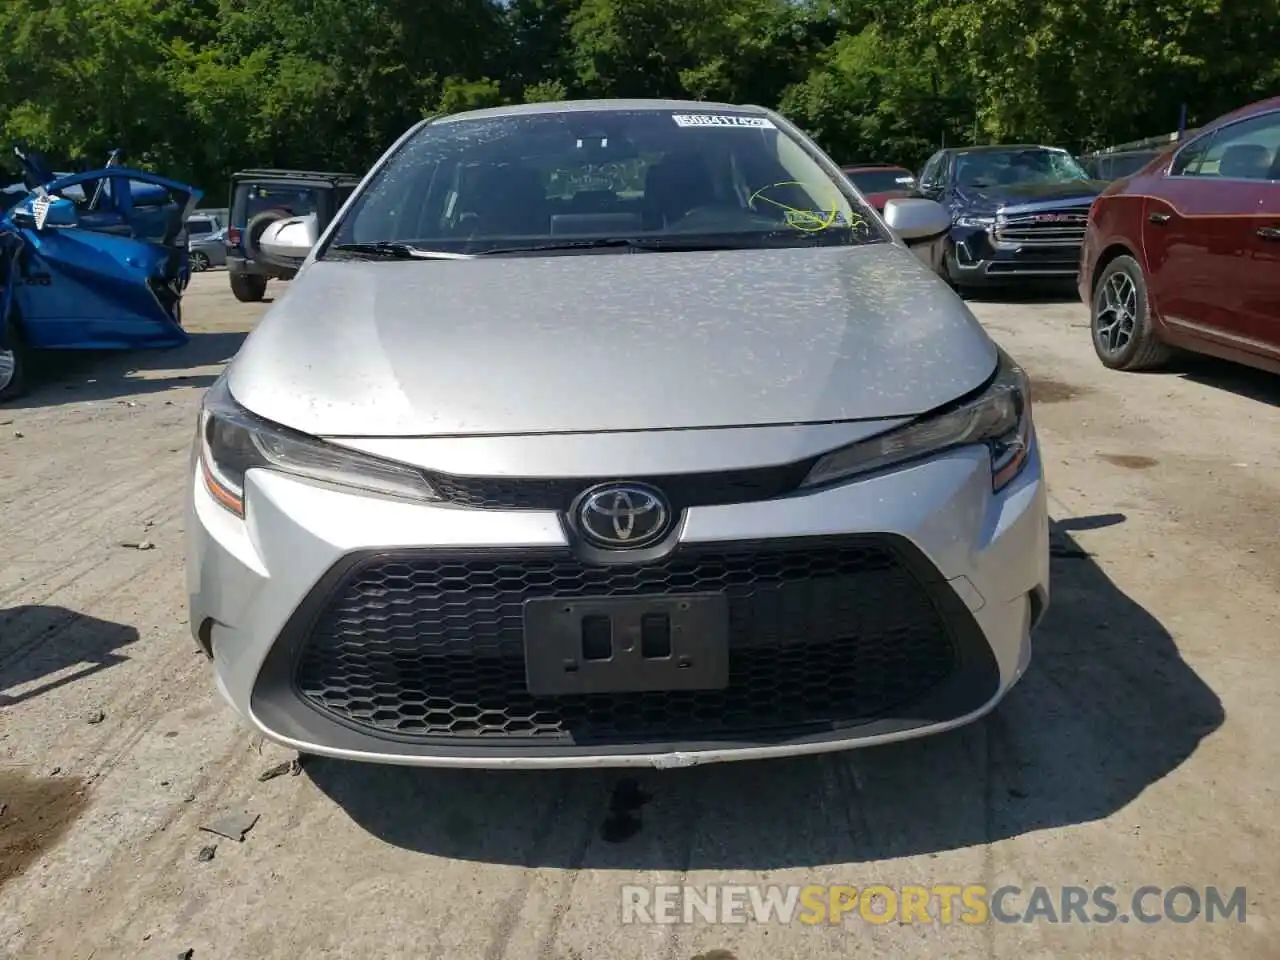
(433,648)
(684,490)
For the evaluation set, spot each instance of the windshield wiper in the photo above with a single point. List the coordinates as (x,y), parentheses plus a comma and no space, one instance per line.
(635,243)
(390,250)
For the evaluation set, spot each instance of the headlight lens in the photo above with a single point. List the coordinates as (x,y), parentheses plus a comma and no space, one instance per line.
(983,222)
(1000,417)
(233,441)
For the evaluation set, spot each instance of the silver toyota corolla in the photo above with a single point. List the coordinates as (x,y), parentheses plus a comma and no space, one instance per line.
(608,433)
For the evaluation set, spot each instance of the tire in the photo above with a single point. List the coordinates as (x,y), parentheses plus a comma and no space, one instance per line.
(949,270)
(255,228)
(199,261)
(248,288)
(1120,321)
(14,361)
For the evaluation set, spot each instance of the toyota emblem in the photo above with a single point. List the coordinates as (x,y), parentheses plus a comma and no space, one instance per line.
(623,516)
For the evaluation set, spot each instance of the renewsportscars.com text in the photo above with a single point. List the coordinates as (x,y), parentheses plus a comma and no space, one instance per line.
(968,904)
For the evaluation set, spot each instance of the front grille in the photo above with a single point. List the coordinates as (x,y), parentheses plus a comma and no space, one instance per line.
(1062,227)
(422,647)
(683,490)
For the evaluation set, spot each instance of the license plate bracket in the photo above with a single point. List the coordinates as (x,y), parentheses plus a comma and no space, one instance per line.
(565,640)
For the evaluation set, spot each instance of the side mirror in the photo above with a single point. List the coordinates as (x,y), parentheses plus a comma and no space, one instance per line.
(916,220)
(43,212)
(290,240)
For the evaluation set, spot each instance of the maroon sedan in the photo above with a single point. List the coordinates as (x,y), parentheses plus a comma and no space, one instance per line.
(1186,252)
(881,182)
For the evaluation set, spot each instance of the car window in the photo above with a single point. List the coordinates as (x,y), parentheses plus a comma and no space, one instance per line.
(484,183)
(1245,150)
(1036,165)
(252,199)
(882,181)
(932,172)
(76,193)
(1129,164)
(199,227)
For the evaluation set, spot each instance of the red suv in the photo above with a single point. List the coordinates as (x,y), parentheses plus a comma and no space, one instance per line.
(881,182)
(1186,252)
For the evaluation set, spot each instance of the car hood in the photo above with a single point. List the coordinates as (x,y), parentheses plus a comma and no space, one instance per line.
(633,341)
(1032,195)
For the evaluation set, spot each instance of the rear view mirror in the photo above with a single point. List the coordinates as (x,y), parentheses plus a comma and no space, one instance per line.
(289,240)
(916,220)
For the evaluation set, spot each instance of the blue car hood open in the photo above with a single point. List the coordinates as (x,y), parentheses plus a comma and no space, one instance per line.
(95,260)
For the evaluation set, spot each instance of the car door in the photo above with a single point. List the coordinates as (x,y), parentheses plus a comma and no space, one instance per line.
(115,279)
(1206,238)
(1262,296)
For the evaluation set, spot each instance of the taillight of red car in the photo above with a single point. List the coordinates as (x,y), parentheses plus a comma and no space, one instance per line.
(233,236)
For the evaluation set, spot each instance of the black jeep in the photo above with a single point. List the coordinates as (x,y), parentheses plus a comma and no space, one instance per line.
(261,197)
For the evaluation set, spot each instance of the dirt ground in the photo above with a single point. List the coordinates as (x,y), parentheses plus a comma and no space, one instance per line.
(1140,748)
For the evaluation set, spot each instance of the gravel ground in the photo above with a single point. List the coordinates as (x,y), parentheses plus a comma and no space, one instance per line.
(1138,750)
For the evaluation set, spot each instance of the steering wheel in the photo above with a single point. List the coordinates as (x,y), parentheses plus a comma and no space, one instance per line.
(713,215)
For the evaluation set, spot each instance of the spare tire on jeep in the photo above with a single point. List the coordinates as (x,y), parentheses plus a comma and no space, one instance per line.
(256,227)
(248,287)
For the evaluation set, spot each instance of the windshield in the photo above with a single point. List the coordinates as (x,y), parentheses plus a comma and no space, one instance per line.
(991,168)
(541,180)
(882,181)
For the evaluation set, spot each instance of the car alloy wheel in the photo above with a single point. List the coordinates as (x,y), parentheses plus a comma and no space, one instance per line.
(13,362)
(8,368)
(199,262)
(1121,323)
(1116,313)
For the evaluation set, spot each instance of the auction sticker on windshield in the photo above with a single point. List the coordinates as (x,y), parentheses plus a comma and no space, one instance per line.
(721,120)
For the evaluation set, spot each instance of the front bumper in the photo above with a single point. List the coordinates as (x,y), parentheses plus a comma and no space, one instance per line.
(261,590)
(978,258)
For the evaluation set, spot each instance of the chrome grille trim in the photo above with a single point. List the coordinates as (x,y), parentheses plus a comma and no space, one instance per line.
(1047,227)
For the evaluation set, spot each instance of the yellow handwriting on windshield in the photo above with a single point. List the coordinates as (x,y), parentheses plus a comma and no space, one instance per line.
(808,221)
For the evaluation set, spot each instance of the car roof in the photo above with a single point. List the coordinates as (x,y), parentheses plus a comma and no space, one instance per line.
(1152,151)
(1249,110)
(291,175)
(1001,147)
(611,105)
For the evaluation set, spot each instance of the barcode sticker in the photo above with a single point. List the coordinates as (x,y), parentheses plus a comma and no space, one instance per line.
(722,120)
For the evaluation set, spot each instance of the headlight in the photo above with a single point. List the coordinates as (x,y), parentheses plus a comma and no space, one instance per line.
(982,222)
(999,417)
(233,441)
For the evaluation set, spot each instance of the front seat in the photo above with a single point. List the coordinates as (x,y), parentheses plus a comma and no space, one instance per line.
(509,201)
(672,187)
(1245,161)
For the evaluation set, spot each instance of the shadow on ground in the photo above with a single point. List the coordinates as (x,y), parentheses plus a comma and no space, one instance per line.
(1107,709)
(52,647)
(1234,378)
(1038,292)
(62,377)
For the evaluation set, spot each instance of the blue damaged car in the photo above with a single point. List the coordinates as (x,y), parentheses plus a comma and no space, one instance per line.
(90,261)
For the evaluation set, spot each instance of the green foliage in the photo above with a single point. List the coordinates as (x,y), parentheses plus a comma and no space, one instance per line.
(198,88)
(459,94)
(545,91)
(874,98)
